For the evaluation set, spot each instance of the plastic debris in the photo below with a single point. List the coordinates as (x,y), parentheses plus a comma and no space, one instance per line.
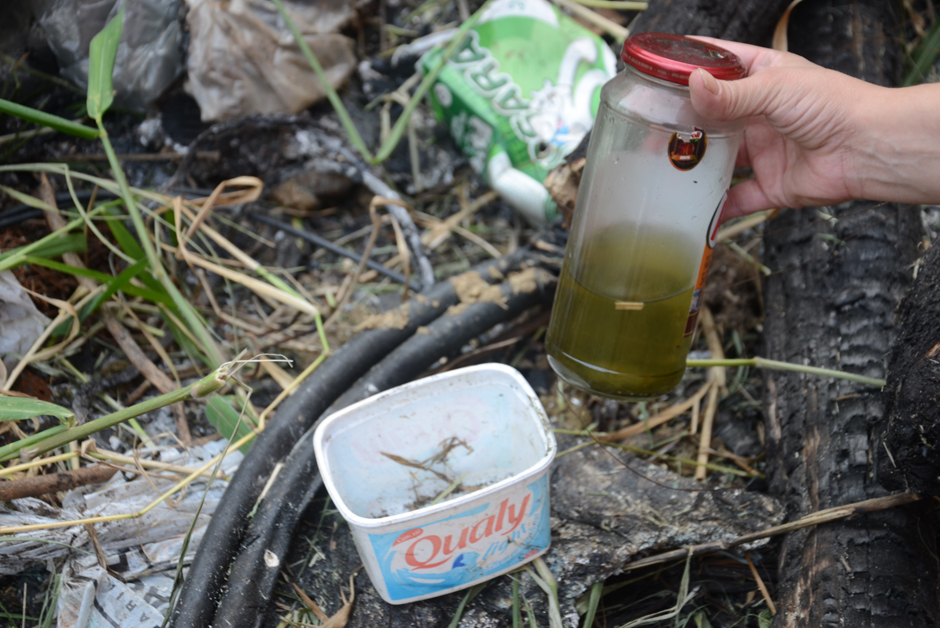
(603,517)
(519,95)
(143,552)
(20,322)
(243,60)
(149,57)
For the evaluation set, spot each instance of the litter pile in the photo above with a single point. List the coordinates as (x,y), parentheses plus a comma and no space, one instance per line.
(233,235)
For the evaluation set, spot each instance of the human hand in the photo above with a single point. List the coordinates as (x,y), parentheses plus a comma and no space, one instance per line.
(818,137)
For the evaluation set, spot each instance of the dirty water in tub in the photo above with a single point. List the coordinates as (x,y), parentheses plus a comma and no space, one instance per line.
(414,453)
(436,469)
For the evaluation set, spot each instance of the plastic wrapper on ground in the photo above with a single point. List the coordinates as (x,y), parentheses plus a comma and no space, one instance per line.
(243,59)
(141,554)
(149,57)
(20,322)
(519,95)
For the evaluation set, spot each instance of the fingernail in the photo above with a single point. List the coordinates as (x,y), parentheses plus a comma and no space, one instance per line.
(711,84)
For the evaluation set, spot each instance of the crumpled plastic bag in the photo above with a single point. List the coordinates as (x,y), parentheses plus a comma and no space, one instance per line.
(20,322)
(165,525)
(149,57)
(243,60)
(141,554)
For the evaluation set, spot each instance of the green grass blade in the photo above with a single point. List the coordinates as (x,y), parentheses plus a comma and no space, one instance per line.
(401,124)
(124,238)
(593,603)
(101,55)
(116,283)
(13,449)
(97,275)
(52,247)
(47,119)
(471,593)
(48,612)
(19,408)
(15,257)
(354,137)
(27,199)
(204,387)
(106,279)
(73,243)
(12,538)
(227,420)
(925,55)
(127,242)
(186,310)
(103,278)
(178,576)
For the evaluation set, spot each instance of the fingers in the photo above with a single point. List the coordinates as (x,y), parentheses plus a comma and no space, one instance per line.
(709,95)
(763,93)
(746,198)
(753,95)
(753,57)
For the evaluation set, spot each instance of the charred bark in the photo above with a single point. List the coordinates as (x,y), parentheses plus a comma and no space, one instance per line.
(909,455)
(750,21)
(839,274)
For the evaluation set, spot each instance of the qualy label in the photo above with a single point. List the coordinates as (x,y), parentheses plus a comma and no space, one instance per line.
(465,547)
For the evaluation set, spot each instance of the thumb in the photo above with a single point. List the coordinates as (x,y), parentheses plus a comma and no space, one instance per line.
(730,100)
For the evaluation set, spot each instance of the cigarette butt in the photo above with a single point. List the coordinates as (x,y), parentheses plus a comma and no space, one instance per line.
(628,305)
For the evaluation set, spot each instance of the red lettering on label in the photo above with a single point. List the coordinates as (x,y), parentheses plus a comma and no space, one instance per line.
(515,521)
(474,533)
(502,513)
(435,542)
(407,536)
(435,549)
(462,543)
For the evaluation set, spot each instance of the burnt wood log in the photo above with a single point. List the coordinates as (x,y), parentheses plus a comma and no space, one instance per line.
(909,455)
(839,273)
(750,21)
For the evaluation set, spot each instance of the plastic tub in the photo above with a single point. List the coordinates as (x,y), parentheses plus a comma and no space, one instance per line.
(479,432)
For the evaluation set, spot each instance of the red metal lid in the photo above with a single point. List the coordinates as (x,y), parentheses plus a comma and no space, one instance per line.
(674,57)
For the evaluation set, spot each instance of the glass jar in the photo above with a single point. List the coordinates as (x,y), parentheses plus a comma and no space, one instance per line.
(645,222)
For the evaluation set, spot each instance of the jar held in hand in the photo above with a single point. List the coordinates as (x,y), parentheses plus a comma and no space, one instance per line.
(645,222)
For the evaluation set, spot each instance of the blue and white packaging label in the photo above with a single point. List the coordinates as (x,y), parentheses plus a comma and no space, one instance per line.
(458,550)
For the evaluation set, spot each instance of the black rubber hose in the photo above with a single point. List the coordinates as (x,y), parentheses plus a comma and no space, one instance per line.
(409,360)
(329,246)
(255,571)
(202,588)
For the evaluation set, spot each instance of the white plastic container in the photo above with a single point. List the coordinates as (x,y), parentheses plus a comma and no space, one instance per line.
(384,459)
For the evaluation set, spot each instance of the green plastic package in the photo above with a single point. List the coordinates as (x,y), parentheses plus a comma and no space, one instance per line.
(519,95)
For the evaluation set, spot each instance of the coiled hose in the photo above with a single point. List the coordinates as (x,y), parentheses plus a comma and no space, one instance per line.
(255,571)
(208,575)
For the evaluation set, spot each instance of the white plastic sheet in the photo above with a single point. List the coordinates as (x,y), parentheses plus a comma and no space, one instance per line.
(20,322)
(141,554)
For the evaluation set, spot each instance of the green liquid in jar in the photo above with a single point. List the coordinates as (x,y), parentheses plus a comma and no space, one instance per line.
(615,352)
